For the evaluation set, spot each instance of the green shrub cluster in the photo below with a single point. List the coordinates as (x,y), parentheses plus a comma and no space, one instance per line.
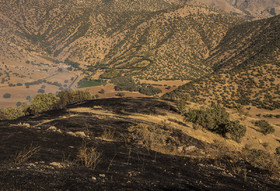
(216,119)
(67,97)
(264,126)
(128,84)
(149,90)
(45,102)
(125,83)
(13,112)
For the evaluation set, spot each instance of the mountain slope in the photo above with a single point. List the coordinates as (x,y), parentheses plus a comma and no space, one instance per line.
(246,68)
(44,26)
(148,39)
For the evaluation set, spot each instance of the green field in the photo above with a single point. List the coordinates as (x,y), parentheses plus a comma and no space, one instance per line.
(89,83)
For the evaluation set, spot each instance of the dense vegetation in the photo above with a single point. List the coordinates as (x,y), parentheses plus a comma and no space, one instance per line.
(216,119)
(128,84)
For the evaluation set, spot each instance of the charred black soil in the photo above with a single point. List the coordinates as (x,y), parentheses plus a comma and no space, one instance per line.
(124,164)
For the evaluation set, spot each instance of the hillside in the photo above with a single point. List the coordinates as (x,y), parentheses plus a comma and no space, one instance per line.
(251,9)
(150,40)
(52,45)
(246,68)
(167,44)
(133,144)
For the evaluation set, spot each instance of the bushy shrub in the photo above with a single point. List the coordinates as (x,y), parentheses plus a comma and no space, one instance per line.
(7,95)
(67,97)
(124,83)
(235,130)
(212,118)
(102,91)
(13,112)
(43,102)
(265,127)
(181,106)
(41,91)
(120,94)
(216,119)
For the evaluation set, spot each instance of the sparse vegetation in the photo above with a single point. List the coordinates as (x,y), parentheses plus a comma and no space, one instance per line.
(121,94)
(264,126)
(89,156)
(108,134)
(26,153)
(160,137)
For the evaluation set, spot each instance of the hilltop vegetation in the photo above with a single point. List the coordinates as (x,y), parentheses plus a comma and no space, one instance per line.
(246,68)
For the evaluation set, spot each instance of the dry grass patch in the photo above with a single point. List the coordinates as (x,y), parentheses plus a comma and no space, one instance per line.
(89,156)
(262,159)
(108,134)
(26,153)
(236,160)
(162,138)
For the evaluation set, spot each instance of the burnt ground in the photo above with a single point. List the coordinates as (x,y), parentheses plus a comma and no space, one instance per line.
(124,165)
